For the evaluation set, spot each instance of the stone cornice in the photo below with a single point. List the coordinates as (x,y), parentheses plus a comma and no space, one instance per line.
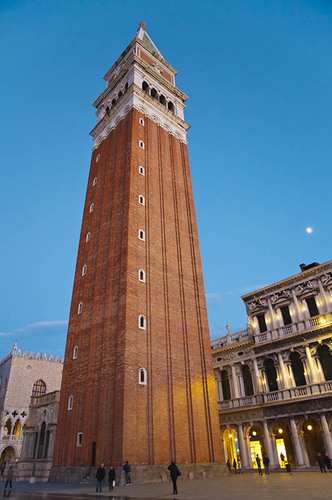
(307,335)
(297,278)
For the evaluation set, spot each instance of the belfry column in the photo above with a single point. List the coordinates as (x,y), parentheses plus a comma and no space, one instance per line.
(297,306)
(267,440)
(313,372)
(258,377)
(235,383)
(243,447)
(296,443)
(327,435)
(285,378)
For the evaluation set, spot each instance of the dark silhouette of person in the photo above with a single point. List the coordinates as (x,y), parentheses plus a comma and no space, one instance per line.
(100,477)
(258,462)
(228,464)
(234,466)
(266,462)
(127,470)
(175,473)
(327,461)
(321,462)
(111,477)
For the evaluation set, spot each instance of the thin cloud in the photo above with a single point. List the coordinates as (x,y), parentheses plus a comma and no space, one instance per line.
(35,326)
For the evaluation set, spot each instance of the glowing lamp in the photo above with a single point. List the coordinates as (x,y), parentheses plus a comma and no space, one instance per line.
(230,436)
(280,431)
(254,433)
(309,427)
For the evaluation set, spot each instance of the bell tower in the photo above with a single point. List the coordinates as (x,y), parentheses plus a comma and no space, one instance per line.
(138,382)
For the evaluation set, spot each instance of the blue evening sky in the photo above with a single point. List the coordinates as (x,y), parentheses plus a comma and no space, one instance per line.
(258,75)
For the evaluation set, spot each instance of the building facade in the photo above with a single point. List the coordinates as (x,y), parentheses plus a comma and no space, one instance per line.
(22,375)
(138,378)
(274,380)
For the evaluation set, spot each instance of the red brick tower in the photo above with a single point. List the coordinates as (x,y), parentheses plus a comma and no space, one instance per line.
(138,382)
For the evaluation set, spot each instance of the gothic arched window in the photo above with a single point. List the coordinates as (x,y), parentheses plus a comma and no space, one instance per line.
(225,385)
(298,369)
(247,381)
(325,359)
(271,375)
(39,388)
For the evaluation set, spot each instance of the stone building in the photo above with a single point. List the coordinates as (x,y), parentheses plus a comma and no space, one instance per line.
(138,377)
(22,375)
(274,380)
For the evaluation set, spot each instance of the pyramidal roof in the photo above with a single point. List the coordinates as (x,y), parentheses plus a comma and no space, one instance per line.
(142,35)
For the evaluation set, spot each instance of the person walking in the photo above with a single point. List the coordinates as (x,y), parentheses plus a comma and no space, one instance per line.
(111,477)
(127,470)
(9,480)
(327,461)
(321,463)
(100,477)
(239,465)
(266,462)
(234,466)
(175,473)
(228,465)
(282,458)
(258,462)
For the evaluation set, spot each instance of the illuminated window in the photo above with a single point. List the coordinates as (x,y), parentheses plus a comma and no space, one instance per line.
(141,322)
(39,388)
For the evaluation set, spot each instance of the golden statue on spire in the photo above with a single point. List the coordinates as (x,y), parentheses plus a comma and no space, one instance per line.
(142,24)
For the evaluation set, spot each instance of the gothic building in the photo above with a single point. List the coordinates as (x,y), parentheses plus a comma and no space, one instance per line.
(138,378)
(274,380)
(22,376)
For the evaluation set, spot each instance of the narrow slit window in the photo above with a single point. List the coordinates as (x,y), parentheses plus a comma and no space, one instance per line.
(70,403)
(75,352)
(141,170)
(141,121)
(92,206)
(88,236)
(141,144)
(80,308)
(141,275)
(142,378)
(141,235)
(94,181)
(79,438)
(84,270)
(98,158)
(141,322)
(141,200)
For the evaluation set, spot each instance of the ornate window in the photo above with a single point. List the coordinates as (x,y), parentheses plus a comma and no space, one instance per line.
(39,388)
(261,323)
(247,381)
(225,385)
(325,359)
(271,375)
(298,369)
(312,306)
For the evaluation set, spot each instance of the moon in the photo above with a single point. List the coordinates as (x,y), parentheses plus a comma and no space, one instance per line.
(309,230)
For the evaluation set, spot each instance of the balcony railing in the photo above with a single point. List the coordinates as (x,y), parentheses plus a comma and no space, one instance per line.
(282,395)
(300,326)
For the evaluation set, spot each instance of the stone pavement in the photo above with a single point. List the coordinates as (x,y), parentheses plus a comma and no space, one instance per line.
(248,486)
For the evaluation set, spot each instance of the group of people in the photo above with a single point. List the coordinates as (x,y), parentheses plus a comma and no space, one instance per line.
(101,473)
(324,462)
(237,466)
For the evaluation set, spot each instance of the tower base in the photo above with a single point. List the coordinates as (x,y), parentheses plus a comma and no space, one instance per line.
(140,474)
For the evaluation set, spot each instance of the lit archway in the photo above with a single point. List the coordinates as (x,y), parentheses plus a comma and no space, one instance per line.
(231,445)
(284,445)
(8,454)
(313,440)
(256,444)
